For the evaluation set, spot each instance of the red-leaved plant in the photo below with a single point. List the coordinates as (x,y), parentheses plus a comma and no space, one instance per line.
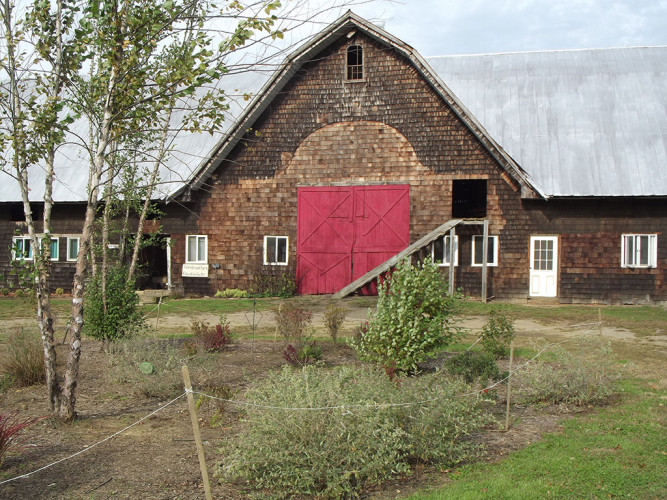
(10,427)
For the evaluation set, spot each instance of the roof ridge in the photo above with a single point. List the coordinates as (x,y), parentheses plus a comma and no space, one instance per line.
(549,51)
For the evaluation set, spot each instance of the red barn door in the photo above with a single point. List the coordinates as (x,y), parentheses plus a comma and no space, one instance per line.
(345,231)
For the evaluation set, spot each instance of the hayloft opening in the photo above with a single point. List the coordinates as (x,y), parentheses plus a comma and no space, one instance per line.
(469,198)
(355,67)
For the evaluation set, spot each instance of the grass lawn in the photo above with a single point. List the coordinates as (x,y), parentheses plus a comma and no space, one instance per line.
(616,452)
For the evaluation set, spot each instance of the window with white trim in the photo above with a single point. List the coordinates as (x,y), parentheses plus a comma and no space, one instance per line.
(276,250)
(478,251)
(441,248)
(55,248)
(196,249)
(639,250)
(72,248)
(22,248)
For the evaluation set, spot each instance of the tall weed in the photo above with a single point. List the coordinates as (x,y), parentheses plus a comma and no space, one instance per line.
(586,375)
(23,360)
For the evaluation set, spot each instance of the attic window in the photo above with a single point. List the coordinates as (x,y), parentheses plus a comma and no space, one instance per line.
(469,198)
(355,66)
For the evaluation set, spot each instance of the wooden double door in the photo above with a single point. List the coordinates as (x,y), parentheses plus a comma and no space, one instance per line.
(345,231)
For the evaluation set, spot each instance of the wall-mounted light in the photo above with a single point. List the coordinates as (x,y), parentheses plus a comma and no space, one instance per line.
(215,266)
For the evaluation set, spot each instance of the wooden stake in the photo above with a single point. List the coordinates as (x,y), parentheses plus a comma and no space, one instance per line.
(195,430)
(157,320)
(485,252)
(509,388)
(600,319)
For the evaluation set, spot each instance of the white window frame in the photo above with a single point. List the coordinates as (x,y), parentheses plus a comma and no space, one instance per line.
(196,259)
(15,240)
(30,256)
(276,262)
(70,239)
(57,253)
(444,261)
(478,239)
(632,260)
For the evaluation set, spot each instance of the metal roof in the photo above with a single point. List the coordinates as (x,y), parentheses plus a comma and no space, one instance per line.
(577,122)
(580,122)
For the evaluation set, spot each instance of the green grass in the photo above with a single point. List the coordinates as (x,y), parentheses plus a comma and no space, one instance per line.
(190,307)
(616,452)
(11,308)
(642,320)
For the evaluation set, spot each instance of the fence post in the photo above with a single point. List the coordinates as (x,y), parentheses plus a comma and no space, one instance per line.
(157,320)
(195,430)
(509,388)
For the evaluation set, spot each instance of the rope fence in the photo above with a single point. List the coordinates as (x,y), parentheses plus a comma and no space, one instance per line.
(344,408)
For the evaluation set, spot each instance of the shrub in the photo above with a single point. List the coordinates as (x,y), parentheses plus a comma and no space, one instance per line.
(4,291)
(586,376)
(474,365)
(122,317)
(335,453)
(497,334)
(212,339)
(23,360)
(266,284)
(308,353)
(60,291)
(293,323)
(333,320)
(231,293)
(10,427)
(413,319)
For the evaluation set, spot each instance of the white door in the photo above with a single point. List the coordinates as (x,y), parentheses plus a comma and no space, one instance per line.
(543,266)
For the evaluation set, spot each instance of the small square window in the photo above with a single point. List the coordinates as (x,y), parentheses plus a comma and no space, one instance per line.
(72,248)
(441,249)
(639,250)
(196,249)
(478,251)
(276,250)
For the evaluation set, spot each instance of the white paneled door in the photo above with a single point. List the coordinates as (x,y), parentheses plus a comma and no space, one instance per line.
(543,266)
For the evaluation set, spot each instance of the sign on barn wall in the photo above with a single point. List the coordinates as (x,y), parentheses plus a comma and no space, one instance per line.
(195,271)
(345,231)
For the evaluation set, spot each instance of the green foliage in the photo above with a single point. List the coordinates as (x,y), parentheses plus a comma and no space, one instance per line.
(336,453)
(587,375)
(413,320)
(23,359)
(614,452)
(333,320)
(60,291)
(267,284)
(497,334)
(10,427)
(122,317)
(308,353)
(231,293)
(474,365)
(293,322)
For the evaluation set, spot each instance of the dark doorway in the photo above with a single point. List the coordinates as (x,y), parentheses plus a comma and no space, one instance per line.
(153,263)
(469,198)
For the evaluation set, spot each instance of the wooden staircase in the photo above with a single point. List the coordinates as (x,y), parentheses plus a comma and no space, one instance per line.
(392,261)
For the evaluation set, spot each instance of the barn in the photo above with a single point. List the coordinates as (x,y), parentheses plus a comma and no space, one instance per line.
(524,175)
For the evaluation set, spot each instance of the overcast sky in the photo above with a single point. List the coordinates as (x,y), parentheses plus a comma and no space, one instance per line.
(442,27)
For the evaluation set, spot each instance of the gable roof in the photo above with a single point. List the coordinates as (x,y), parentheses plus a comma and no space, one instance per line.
(562,123)
(307,52)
